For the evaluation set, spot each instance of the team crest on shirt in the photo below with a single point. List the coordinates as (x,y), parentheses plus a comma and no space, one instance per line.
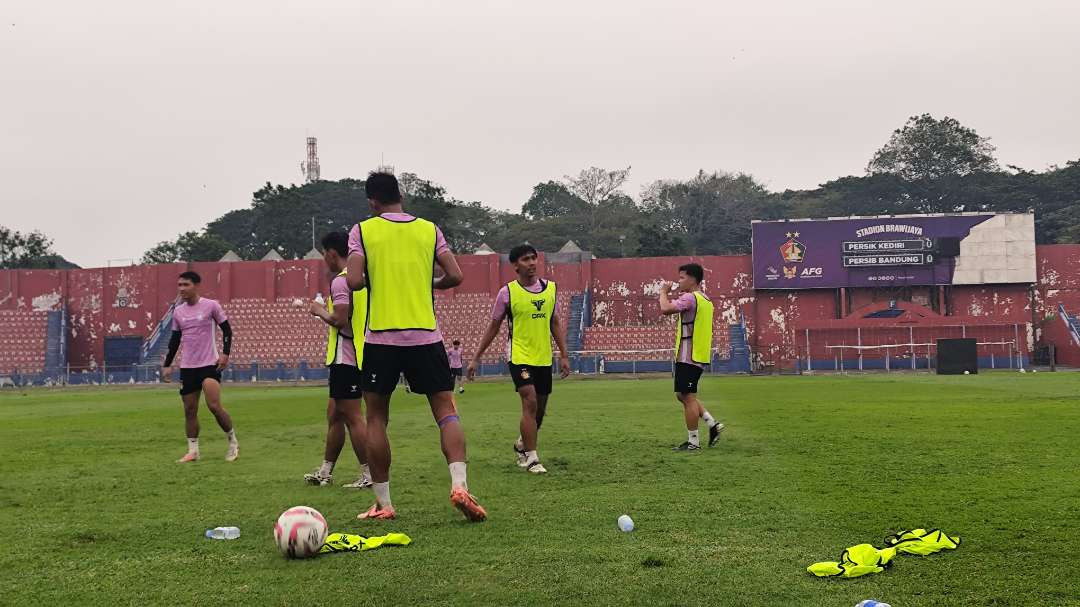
(539,305)
(525,374)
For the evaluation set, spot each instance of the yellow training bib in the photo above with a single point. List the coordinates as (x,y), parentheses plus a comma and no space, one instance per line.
(530,324)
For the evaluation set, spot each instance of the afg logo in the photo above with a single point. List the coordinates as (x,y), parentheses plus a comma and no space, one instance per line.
(792,251)
(791,272)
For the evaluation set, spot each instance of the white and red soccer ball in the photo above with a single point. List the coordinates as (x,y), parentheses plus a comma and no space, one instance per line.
(299,532)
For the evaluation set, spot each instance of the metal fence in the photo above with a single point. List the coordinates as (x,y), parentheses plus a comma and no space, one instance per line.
(999,346)
(590,362)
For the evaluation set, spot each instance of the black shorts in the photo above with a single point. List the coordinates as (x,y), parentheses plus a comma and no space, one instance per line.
(455,371)
(191,379)
(686,378)
(345,382)
(426,368)
(528,375)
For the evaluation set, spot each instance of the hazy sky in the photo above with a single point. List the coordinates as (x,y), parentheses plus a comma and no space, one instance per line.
(123,123)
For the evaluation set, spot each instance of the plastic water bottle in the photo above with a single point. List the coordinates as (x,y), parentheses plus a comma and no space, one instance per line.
(223,533)
(872,603)
(626,524)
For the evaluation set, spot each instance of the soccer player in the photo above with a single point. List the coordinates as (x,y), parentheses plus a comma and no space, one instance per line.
(528,305)
(693,350)
(200,365)
(394,255)
(454,354)
(345,313)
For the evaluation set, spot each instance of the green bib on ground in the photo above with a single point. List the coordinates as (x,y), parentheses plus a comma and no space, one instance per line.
(701,331)
(347,542)
(357,322)
(530,324)
(864,558)
(400,258)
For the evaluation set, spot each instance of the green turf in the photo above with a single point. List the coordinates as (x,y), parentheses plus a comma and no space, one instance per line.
(95,511)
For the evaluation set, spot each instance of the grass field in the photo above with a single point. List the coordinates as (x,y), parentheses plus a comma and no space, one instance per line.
(95,510)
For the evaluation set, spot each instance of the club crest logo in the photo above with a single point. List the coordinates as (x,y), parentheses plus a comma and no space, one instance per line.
(789,272)
(525,374)
(792,251)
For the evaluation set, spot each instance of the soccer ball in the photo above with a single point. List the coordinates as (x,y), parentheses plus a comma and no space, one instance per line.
(299,532)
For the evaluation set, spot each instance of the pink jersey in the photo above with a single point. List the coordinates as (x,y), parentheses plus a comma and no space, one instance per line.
(411,337)
(454,354)
(687,305)
(196,323)
(341,295)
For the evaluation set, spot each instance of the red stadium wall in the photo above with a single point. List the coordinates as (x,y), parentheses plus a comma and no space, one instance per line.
(1059,283)
(129,301)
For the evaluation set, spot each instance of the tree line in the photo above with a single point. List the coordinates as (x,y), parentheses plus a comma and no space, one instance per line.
(928,165)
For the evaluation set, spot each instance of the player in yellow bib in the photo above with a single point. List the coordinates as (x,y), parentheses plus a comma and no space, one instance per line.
(693,349)
(394,254)
(345,314)
(528,305)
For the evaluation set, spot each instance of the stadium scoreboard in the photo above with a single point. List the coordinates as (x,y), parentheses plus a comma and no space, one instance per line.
(947,249)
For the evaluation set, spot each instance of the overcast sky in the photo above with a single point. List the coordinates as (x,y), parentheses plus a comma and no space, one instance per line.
(125,122)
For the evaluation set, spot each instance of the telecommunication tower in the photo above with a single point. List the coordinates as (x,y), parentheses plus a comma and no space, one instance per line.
(310,167)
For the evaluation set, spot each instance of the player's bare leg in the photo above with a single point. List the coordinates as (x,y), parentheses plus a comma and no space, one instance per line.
(212,390)
(335,441)
(693,410)
(452,439)
(377,447)
(530,405)
(191,425)
(691,415)
(349,416)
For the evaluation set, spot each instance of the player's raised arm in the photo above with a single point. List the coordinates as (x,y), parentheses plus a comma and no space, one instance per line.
(666,305)
(338,319)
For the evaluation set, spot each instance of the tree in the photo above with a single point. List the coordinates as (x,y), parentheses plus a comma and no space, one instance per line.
(553,199)
(709,214)
(26,251)
(595,185)
(927,148)
(189,246)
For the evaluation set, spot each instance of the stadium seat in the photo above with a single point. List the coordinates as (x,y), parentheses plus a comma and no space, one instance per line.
(23,337)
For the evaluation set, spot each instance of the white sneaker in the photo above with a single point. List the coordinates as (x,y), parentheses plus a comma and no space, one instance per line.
(233,452)
(361,483)
(190,456)
(535,467)
(519,451)
(461,390)
(318,478)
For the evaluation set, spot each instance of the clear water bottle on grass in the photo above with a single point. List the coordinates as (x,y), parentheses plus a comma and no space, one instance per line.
(223,533)
(872,603)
